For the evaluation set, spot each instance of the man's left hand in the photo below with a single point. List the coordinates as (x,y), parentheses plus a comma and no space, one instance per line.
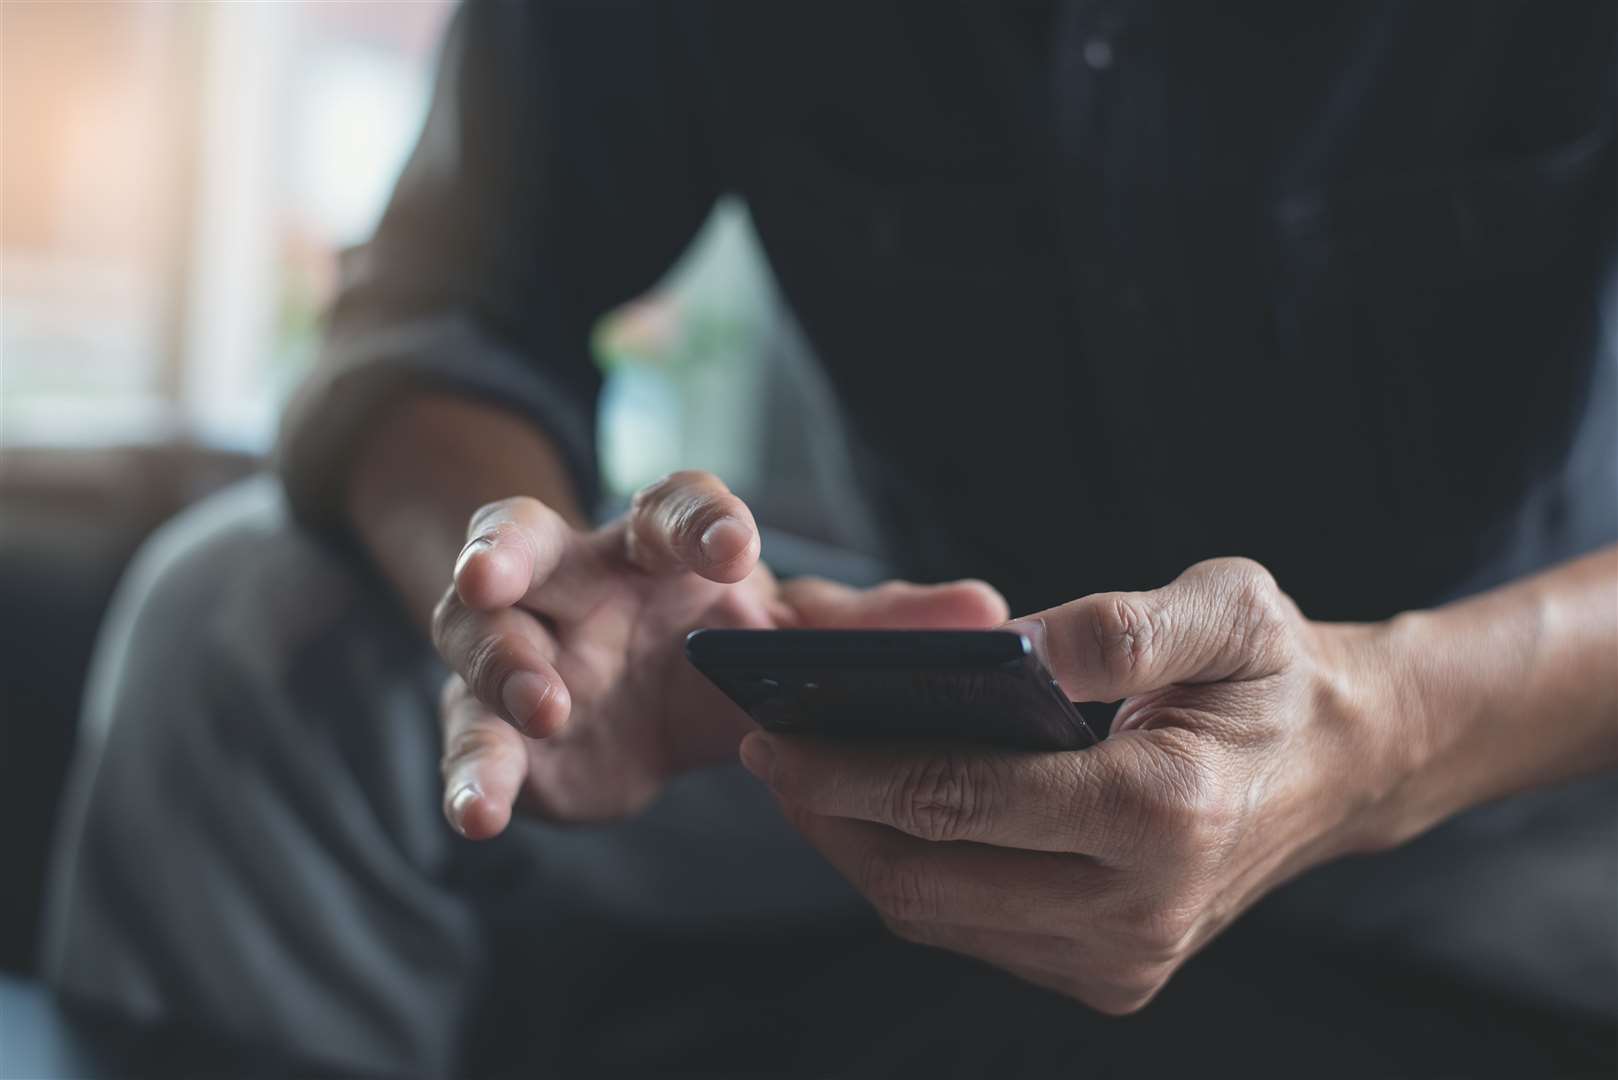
(1251,745)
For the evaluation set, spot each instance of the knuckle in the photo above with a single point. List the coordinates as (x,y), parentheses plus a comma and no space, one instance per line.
(1114,804)
(674,487)
(466,744)
(1253,582)
(936,798)
(1126,629)
(649,496)
(485,666)
(1163,805)
(1258,608)
(680,505)
(897,890)
(1187,791)
(1258,597)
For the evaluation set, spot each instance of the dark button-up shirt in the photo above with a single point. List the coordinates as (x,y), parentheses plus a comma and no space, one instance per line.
(1104,288)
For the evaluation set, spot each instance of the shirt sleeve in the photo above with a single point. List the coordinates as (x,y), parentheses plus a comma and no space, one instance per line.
(560,172)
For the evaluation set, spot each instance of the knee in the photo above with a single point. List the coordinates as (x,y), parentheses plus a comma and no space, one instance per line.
(228,792)
(229,592)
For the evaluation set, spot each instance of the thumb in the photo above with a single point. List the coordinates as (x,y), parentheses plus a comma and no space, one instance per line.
(957,605)
(1221,619)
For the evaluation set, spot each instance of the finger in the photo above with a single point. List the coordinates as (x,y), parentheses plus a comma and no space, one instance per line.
(964,605)
(1095,801)
(911,881)
(520,551)
(691,521)
(1221,619)
(505,657)
(483,765)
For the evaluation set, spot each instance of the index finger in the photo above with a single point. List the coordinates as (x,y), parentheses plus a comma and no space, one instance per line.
(520,551)
(1086,801)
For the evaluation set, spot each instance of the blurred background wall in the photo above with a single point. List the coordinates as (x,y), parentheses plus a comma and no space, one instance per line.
(176,181)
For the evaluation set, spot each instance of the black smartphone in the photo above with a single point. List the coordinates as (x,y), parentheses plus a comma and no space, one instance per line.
(985,686)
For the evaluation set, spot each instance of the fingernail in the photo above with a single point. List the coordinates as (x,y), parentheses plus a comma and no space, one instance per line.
(458,804)
(522,694)
(724,540)
(759,756)
(1033,628)
(473,547)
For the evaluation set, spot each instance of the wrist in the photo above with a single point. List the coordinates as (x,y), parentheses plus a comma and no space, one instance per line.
(422,469)
(1381,721)
(1428,703)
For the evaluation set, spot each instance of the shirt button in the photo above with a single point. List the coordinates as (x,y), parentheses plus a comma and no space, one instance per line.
(1098,53)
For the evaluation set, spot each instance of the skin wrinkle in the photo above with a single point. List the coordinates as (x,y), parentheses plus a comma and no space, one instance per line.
(1257,626)
(1118,800)
(670,516)
(1125,641)
(487,659)
(463,745)
(897,889)
(933,798)
(1201,778)
(1066,813)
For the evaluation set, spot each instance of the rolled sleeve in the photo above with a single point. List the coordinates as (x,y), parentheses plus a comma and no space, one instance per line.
(359,378)
(541,193)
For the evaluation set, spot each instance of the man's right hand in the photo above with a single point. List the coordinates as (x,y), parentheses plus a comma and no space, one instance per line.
(571,696)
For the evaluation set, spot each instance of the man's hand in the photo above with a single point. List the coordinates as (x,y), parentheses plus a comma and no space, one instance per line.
(572,696)
(1251,745)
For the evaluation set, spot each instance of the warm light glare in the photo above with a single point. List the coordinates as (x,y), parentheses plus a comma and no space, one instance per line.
(177,179)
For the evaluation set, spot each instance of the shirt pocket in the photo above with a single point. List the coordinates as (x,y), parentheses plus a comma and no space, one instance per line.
(1458,312)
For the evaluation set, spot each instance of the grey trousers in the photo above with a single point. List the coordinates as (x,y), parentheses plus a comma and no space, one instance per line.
(252,844)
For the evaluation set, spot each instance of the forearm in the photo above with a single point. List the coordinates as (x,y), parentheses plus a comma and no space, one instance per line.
(1512,689)
(418,476)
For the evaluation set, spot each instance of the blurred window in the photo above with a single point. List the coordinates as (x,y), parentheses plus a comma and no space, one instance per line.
(179,180)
